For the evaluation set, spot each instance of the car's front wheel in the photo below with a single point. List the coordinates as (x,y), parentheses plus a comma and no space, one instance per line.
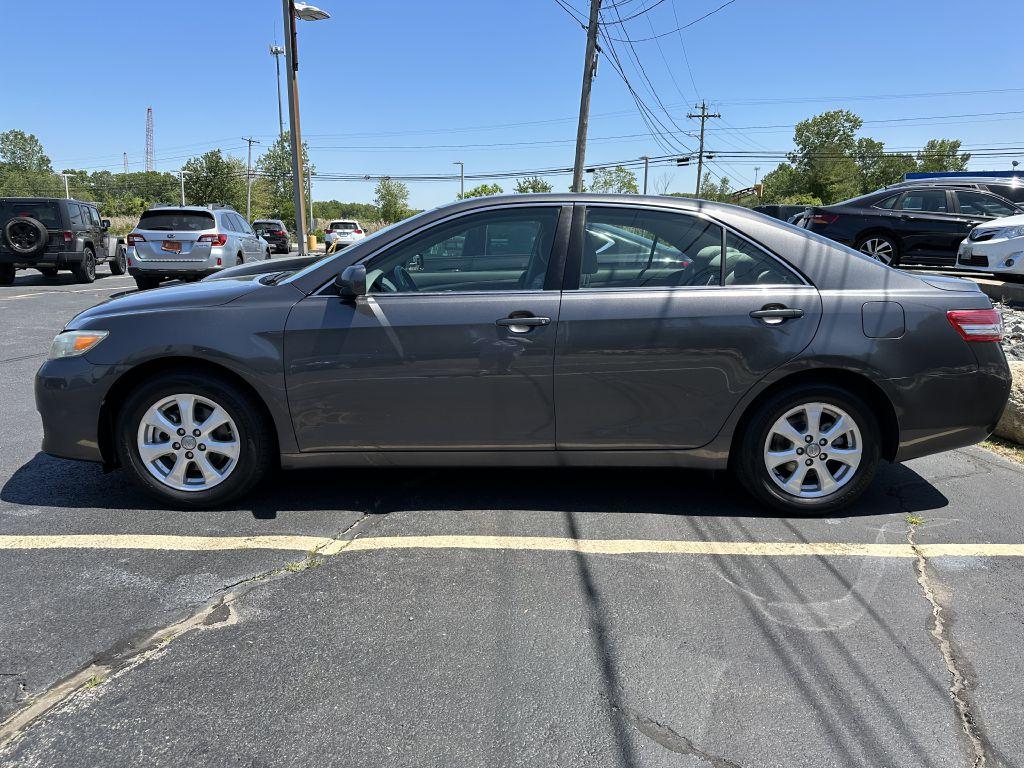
(809,450)
(194,440)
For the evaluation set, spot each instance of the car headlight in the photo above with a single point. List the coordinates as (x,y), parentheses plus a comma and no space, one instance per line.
(75,343)
(1009,232)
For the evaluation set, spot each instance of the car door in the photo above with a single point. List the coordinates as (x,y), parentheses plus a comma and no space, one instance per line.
(96,232)
(434,357)
(656,353)
(927,225)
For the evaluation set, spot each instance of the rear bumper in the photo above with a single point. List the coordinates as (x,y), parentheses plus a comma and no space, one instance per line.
(953,409)
(165,273)
(58,259)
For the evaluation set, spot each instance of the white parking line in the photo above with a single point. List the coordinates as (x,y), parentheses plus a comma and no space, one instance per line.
(328,546)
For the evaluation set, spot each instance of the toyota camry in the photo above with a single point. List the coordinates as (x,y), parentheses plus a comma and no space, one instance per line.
(537,330)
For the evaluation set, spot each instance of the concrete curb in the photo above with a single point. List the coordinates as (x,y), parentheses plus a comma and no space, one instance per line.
(1011,425)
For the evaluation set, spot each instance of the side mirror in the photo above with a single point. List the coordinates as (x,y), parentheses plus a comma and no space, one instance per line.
(105,223)
(351,282)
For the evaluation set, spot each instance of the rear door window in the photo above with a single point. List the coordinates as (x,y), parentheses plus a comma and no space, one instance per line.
(980,204)
(636,248)
(166,220)
(746,264)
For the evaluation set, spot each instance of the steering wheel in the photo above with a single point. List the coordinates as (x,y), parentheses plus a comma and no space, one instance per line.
(398,280)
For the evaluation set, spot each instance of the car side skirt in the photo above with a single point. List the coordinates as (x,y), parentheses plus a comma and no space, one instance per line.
(697,458)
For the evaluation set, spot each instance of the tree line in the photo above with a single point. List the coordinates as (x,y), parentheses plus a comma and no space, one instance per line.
(830,163)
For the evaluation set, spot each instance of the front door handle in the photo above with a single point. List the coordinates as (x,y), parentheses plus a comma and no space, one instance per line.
(774,315)
(522,324)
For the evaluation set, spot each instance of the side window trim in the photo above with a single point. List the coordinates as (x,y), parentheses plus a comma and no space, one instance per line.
(571,279)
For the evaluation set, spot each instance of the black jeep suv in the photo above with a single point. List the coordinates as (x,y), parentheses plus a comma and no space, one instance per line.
(50,234)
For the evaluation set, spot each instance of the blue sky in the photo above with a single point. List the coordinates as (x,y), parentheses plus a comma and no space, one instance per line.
(395,87)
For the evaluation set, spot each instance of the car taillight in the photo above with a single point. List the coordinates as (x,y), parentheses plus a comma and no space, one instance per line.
(213,239)
(357,231)
(133,239)
(278,232)
(69,237)
(823,218)
(977,324)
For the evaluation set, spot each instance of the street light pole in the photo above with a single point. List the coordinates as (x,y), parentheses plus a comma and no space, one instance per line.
(276,51)
(292,11)
(462,178)
(67,190)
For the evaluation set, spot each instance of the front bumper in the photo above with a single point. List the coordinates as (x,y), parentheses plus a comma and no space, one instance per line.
(57,259)
(69,395)
(998,256)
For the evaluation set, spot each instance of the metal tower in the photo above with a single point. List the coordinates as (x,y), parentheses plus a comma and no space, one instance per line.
(149,139)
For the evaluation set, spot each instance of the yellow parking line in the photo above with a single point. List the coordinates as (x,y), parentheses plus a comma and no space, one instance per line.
(328,546)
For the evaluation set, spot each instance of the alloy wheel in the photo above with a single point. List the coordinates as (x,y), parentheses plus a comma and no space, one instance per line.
(813,450)
(188,442)
(878,248)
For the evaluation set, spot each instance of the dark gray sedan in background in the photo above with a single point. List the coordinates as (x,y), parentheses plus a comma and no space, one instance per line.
(538,330)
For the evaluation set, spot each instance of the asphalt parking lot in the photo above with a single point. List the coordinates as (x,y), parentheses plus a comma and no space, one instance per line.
(497,617)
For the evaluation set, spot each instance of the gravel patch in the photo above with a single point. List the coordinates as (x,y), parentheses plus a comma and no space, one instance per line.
(1013,332)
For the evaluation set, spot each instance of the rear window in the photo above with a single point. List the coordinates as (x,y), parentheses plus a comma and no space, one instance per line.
(46,213)
(176,221)
(344,225)
(266,225)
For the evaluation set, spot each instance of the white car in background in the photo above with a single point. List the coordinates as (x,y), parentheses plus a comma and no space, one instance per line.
(343,232)
(996,246)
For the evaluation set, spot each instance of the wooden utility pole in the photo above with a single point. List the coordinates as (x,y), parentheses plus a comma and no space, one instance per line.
(703,116)
(589,68)
(248,179)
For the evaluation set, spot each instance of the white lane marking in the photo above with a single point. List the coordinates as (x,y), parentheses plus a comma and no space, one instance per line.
(328,546)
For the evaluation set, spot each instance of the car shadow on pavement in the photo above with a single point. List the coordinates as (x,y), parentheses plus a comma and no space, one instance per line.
(46,481)
(32,279)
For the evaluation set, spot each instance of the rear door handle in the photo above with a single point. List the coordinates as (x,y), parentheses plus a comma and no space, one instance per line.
(522,324)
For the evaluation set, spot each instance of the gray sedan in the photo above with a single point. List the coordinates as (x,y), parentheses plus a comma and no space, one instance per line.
(537,330)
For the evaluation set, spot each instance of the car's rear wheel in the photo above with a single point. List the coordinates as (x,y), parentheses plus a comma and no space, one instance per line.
(85,270)
(119,264)
(881,248)
(7,272)
(809,450)
(194,440)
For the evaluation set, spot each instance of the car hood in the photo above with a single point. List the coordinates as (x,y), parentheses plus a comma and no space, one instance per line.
(1006,221)
(184,296)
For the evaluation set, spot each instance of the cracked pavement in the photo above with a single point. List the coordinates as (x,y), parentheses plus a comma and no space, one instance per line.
(458,657)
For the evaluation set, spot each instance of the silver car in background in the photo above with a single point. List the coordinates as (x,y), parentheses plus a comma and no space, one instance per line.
(189,242)
(343,232)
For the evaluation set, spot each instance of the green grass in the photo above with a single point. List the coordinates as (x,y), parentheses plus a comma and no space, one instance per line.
(1005,448)
(915,520)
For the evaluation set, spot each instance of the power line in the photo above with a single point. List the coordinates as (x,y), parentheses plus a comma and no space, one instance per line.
(677,29)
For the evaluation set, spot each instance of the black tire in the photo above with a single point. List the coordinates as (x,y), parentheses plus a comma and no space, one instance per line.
(85,270)
(147,282)
(7,272)
(119,264)
(49,272)
(750,465)
(25,236)
(864,242)
(256,437)
(240,260)
(266,255)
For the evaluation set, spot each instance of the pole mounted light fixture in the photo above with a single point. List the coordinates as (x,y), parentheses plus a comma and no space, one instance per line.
(307,12)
